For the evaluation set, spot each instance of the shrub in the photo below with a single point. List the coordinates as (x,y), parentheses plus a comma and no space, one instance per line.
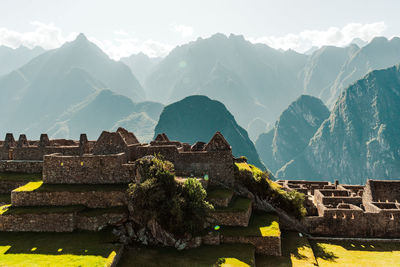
(178,208)
(259,183)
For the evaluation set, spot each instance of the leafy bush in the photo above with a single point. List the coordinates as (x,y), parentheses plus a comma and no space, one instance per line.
(258,183)
(178,208)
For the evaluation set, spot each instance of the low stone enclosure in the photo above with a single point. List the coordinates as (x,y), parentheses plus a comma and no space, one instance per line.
(372,210)
(82,186)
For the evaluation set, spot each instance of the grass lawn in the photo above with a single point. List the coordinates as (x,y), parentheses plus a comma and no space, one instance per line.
(17,177)
(222,255)
(352,253)
(219,193)
(40,187)
(296,251)
(238,204)
(261,224)
(57,249)
(5,198)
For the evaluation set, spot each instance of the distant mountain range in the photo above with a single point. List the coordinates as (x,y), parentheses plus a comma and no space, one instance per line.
(361,137)
(197,118)
(12,59)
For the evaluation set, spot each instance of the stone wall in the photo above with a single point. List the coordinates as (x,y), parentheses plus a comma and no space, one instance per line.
(229,218)
(86,169)
(18,166)
(7,186)
(91,199)
(96,223)
(36,222)
(270,245)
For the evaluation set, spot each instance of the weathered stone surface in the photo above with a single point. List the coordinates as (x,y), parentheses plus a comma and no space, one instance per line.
(270,245)
(98,222)
(211,238)
(90,199)
(19,166)
(230,218)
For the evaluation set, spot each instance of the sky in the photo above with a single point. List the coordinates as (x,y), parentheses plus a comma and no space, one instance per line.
(122,28)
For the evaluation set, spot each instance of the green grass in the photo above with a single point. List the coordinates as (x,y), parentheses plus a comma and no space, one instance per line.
(40,187)
(243,166)
(57,249)
(18,177)
(352,253)
(233,254)
(261,224)
(5,198)
(219,193)
(296,251)
(238,204)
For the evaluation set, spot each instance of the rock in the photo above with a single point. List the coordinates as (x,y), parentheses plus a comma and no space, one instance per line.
(159,234)
(180,244)
(212,238)
(130,231)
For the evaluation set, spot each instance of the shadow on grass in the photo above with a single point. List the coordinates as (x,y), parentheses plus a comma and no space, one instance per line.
(76,243)
(322,253)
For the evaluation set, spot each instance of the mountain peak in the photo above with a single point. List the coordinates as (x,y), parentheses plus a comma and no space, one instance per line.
(81,37)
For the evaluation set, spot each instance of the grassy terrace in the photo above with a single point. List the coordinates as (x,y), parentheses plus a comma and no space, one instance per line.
(81,210)
(219,193)
(352,253)
(57,249)
(20,177)
(5,198)
(260,225)
(40,187)
(223,255)
(238,204)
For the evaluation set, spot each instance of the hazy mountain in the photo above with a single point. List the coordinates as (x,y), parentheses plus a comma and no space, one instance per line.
(323,67)
(252,80)
(106,110)
(12,59)
(292,132)
(197,118)
(360,139)
(380,53)
(256,127)
(359,42)
(141,65)
(36,94)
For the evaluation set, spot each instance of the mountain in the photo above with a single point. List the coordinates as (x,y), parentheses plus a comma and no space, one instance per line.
(197,118)
(323,67)
(360,139)
(35,95)
(380,53)
(141,65)
(292,132)
(12,59)
(252,80)
(359,42)
(99,113)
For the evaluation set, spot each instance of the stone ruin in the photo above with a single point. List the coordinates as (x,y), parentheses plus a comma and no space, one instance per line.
(340,210)
(84,183)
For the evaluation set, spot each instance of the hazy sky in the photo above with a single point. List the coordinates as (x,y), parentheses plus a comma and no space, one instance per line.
(155,27)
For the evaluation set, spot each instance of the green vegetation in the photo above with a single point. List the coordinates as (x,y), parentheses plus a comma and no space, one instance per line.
(57,249)
(258,182)
(261,224)
(219,193)
(5,198)
(356,253)
(222,255)
(296,252)
(20,177)
(40,187)
(238,204)
(179,208)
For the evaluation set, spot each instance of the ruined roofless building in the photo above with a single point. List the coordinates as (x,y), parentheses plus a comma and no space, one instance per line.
(110,158)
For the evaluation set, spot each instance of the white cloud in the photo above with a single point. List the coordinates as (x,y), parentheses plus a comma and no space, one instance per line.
(183,30)
(47,36)
(121,32)
(332,36)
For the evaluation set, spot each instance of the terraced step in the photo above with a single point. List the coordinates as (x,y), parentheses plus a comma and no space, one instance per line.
(58,218)
(92,196)
(263,232)
(237,213)
(219,197)
(10,181)
(5,199)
